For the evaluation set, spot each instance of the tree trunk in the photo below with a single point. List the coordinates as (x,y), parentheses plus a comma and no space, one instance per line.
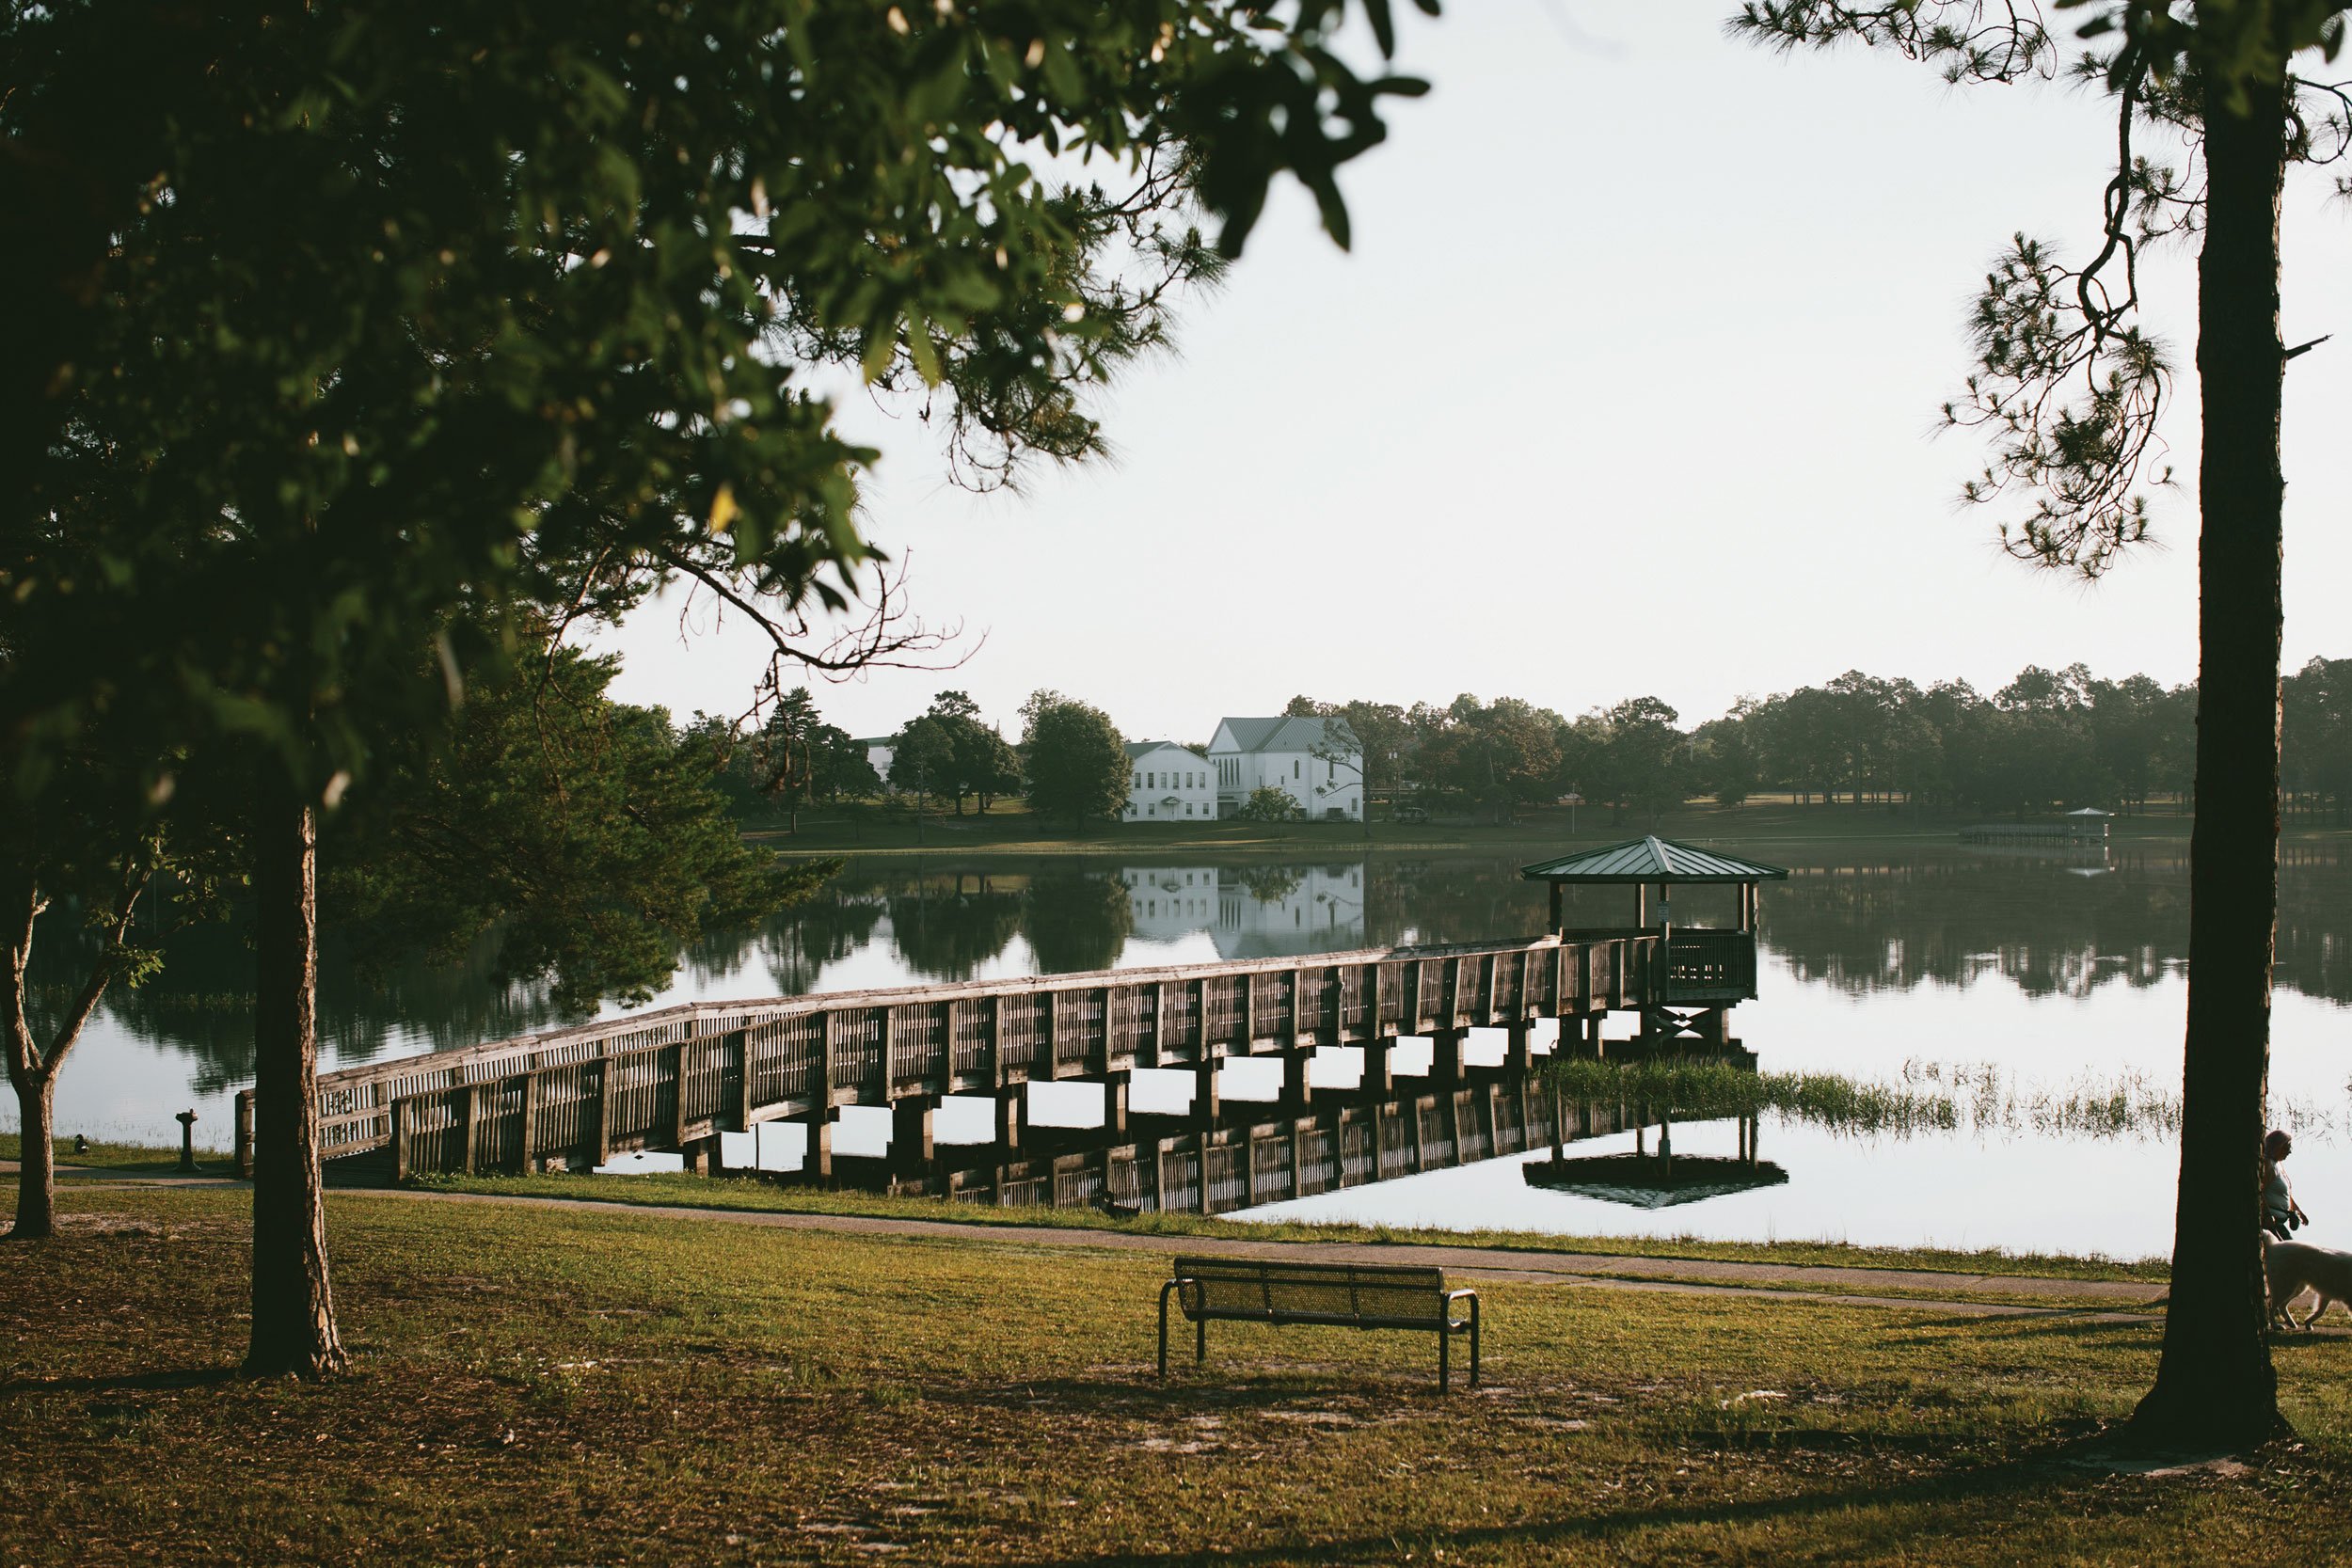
(293,1308)
(37,1162)
(36,1201)
(2215,1386)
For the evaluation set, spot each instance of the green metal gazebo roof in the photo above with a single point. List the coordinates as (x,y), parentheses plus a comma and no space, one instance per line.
(1652,859)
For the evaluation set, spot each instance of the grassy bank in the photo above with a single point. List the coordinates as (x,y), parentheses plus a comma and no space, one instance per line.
(1008,828)
(119,1159)
(564,1386)
(695,1192)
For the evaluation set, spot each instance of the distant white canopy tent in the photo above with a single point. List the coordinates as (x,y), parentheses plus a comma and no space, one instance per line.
(2089,810)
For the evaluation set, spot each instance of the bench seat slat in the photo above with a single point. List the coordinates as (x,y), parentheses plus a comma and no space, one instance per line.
(1335,1319)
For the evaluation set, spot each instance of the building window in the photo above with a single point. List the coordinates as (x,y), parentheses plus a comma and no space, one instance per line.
(1294,767)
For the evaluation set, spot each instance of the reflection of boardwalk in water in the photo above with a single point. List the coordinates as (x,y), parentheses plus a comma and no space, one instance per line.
(1259,1153)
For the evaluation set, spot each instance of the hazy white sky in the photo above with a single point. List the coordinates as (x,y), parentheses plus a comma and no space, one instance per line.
(1629,386)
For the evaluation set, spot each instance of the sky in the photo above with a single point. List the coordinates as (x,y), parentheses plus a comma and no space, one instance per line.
(1628,385)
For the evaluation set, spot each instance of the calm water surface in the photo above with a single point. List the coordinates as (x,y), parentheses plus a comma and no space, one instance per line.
(1877,962)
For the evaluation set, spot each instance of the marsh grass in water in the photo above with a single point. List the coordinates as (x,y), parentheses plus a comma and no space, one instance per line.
(1926,1097)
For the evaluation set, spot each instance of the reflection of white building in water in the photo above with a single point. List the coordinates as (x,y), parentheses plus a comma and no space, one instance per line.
(1165,902)
(1165,781)
(1250,913)
(1317,762)
(1277,910)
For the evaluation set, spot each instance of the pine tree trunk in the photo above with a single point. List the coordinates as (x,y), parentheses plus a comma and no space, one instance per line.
(37,1162)
(2215,1386)
(293,1308)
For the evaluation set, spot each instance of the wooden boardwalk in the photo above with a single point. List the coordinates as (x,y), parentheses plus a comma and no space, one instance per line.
(679,1077)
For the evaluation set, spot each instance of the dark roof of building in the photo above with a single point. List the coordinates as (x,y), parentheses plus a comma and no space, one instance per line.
(1137,748)
(1285,733)
(1652,859)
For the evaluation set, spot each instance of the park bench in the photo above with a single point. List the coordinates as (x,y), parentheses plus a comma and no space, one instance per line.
(1342,1296)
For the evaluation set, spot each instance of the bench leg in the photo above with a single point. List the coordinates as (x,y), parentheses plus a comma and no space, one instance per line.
(1166,1290)
(1200,1337)
(1473,1342)
(1445,1361)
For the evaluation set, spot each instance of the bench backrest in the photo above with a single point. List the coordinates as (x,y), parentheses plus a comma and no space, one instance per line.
(1388,1293)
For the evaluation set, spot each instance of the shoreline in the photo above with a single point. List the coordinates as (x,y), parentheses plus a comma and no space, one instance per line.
(1015,835)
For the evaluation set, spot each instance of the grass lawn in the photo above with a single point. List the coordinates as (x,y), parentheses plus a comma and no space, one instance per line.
(123,1159)
(536,1386)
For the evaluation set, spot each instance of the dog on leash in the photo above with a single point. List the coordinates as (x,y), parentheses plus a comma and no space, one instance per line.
(2290,1268)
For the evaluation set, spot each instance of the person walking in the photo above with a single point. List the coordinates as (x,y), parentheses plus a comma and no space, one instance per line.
(2282,1214)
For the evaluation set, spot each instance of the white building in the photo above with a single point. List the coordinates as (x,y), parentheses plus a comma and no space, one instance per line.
(1166,782)
(1317,762)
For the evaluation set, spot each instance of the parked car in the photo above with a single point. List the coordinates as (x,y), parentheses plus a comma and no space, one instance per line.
(1411,814)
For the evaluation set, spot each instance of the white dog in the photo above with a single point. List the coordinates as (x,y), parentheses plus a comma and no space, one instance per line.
(2290,1268)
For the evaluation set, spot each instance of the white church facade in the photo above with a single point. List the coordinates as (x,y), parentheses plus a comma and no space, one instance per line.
(1317,762)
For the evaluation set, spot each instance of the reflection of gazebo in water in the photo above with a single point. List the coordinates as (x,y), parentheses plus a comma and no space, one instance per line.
(1653,1181)
(1709,969)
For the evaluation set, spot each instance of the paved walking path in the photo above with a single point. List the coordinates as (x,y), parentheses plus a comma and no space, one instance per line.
(2119,1301)
(2075,1300)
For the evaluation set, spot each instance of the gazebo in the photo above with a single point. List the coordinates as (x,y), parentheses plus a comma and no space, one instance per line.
(1709,969)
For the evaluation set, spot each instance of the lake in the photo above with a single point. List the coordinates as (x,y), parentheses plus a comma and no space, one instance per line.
(1905,963)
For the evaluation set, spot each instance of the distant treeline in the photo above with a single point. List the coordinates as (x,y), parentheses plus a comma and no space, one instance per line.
(2049,738)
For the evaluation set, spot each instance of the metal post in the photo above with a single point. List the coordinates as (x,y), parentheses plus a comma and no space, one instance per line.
(244,1134)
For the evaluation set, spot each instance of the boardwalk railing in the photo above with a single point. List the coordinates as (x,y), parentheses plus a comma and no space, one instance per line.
(1710,966)
(667,1078)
